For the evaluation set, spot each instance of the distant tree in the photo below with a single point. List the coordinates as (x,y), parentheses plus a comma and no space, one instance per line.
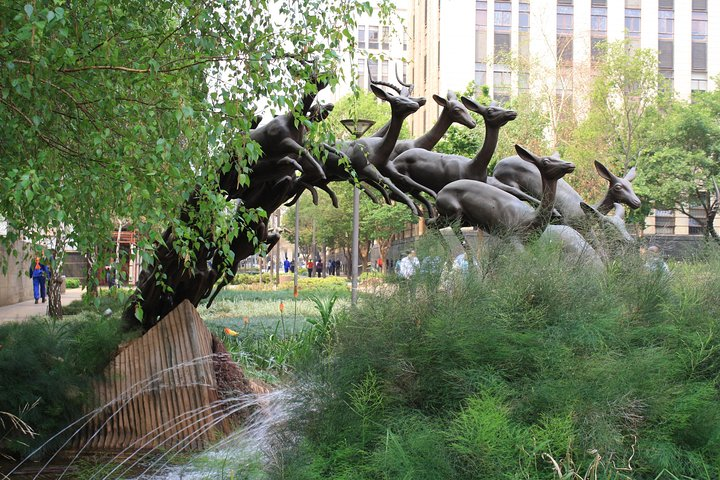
(680,167)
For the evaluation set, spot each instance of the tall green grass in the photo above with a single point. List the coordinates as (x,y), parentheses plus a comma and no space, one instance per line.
(526,366)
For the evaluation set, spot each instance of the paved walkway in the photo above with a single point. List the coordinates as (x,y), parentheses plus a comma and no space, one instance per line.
(24,310)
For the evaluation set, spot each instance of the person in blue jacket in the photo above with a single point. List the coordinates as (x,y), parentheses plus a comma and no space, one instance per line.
(39,272)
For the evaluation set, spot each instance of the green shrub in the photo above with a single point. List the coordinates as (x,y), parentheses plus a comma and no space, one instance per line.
(45,371)
(526,366)
(72,282)
(250,278)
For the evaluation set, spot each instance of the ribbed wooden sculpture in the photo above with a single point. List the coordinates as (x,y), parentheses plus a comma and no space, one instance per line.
(159,391)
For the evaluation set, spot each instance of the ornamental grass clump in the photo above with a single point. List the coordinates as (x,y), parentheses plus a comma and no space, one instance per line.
(526,365)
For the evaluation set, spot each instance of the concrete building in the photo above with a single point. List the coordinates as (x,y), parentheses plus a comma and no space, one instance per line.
(455,42)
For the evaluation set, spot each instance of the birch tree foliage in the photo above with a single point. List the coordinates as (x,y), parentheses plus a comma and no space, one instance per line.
(123,108)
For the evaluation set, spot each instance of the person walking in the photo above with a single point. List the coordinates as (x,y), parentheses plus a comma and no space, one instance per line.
(319,268)
(286,265)
(310,265)
(39,272)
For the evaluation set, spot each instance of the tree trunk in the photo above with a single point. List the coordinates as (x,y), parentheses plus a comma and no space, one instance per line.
(364,254)
(91,283)
(55,281)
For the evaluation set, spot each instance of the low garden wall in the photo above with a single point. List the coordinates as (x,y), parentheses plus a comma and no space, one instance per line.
(15,284)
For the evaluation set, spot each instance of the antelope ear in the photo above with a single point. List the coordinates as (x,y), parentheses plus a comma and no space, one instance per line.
(440,100)
(604,172)
(527,155)
(472,105)
(630,176)
(620,211)
(380,93)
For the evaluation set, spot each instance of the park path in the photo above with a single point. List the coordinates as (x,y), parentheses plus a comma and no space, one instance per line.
(24,310)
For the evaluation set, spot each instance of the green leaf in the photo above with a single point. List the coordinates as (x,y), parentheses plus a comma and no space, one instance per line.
(28,10)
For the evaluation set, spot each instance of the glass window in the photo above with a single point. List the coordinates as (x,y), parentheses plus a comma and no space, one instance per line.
(699,26)
(632,22)
(480,46)
(480,15)
(405,41)
(373,69)
(480,74)
(666,23)
(524,19)
(596,48)
(564,19)
(373,34)
(524,45)
(699,5)
(665,55)
(564,48)
(699,57)
(361,73)
(503,15)
(385,70)
(386,38)
(502,43)
(361,36)
(598,20)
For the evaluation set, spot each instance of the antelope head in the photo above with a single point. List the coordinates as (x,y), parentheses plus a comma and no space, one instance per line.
(319,112)
(494,115)
(405,91)
(457,111)
(401,106)
(619,189)
(551,167)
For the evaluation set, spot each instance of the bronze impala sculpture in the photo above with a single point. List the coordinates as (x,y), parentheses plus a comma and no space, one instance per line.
(495,211)
(513,171)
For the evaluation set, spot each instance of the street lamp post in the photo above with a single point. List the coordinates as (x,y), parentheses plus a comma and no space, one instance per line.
(357,129)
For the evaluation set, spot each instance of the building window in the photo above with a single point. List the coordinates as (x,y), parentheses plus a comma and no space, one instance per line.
(664,222)
(699,82)
(598,27)
(386,38)
(564,31)
(480,15)
(385,70)
(632,22)
(665,56)
(480,74)
(699,57)
(361,36)
(503,15)
(361,73)
(696,227)
(404,74)
(666,24)
(524,18)
(404,41)
(373,34)
(480,32)
(502,44)
(598,20)
(502,79)
(372,69)
(565,19)
(565,48)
